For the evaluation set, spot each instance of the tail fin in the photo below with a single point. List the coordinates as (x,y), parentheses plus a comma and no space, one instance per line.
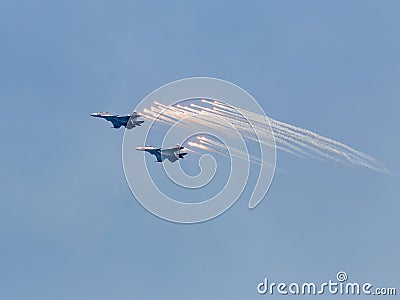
(182,155)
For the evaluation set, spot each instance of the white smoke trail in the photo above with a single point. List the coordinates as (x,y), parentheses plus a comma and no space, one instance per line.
(318,144)
(289,138)
(200,146)
(233,151)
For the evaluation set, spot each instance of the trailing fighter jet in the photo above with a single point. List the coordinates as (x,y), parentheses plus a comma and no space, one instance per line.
(128,121)
(172,154)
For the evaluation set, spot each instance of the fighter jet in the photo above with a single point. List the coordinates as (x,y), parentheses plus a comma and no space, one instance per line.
(128,121)
(172,154)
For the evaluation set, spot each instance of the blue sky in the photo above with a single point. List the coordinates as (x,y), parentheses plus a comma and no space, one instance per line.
(69,226)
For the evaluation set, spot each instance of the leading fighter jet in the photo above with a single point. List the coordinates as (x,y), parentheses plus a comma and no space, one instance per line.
(128,121)
(172,154)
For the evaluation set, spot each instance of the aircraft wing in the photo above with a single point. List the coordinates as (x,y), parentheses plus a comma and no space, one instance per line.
(116,123)
(169,151)
(156,153)
(133,124)
(172,158)
(173,149)
(124,119)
